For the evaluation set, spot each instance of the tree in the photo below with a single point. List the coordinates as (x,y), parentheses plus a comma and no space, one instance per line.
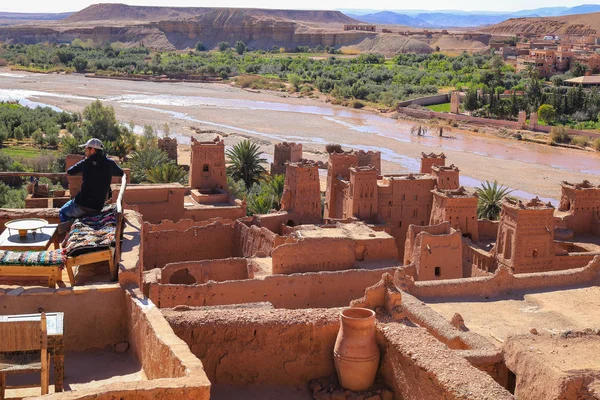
(547,113)
(295,80)
(144,160)
(579,69)
(240,47)
(80,64)
(100,121)
(470,103)
(200,46)
(246,162)
(275,184)
(420,129)
(440,126)
(166,173)
(223,46)
(489,203)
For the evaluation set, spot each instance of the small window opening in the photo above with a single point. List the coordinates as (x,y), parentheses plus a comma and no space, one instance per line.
(438,271)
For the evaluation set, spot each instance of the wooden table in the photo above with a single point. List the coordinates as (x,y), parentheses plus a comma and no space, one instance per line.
(56,347)
(10,239)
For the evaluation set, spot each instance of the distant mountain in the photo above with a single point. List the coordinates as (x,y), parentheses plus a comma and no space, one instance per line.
(34,16)
(391,18)
(461,19)
(582,9)
(578,24)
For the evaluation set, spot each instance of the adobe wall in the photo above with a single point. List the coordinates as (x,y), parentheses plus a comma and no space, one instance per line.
(253,240)
(207,165)
(212,241)
(476,261)
(413,232)
(438,256)
(203,271)
(431,159)
(504,282)
(369,158)
(94,317)
(581,202)
(285,152)
(526,236)
(319,289)
(155,202)
(339,165)
(484,121)
(487,229)
(457,207)
(404,200)
(173,372)
(314,255)
(232,212)
(8,214)
(415,365)
(254,346)
(361,199)
(302,192)
(447,178)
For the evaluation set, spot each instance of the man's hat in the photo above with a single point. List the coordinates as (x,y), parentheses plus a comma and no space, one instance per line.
(94,144)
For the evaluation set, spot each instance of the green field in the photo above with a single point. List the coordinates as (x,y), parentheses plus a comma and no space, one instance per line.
(18,152)
(444,107)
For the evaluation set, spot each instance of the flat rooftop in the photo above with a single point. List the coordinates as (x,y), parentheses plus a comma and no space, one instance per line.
(551,311)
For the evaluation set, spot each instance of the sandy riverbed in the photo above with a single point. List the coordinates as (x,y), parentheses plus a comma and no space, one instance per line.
(272,117)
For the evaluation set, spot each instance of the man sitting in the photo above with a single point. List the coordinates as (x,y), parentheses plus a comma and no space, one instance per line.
(97,171)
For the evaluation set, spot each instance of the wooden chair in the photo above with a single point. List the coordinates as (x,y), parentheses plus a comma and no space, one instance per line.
(19,337)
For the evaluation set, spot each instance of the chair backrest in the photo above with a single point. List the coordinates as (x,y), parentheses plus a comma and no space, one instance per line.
(120,221)
(23,335)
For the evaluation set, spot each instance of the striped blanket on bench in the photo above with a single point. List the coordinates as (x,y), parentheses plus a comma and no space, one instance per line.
(89,234)
(33,258)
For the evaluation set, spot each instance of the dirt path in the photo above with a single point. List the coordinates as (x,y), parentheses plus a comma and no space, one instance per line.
(273,117)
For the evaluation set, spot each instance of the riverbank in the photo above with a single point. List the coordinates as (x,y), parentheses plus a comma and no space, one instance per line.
(274,117)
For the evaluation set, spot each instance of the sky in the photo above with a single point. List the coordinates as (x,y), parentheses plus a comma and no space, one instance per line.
(45,6)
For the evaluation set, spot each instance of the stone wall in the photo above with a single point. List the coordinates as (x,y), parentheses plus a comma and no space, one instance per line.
(320,289)
(212,241)
(284,153)
(207,165)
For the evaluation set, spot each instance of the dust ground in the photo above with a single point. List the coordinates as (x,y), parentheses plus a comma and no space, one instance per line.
(271,117)
(546,311)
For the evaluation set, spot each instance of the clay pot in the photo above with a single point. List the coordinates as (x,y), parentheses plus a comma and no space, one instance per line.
(356,354)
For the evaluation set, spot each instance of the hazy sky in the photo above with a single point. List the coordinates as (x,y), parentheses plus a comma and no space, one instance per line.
(467,5)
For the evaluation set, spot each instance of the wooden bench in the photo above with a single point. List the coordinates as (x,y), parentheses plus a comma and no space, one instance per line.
(53,271)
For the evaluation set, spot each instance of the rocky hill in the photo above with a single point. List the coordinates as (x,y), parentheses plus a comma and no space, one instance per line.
(580,24)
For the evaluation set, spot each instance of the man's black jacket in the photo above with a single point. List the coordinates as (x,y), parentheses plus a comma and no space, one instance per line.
(97,171)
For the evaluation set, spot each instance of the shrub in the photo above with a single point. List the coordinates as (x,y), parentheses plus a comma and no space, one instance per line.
(581,141)
(596,144)
(223,46)
(558,134)
(200,46)
(357,104)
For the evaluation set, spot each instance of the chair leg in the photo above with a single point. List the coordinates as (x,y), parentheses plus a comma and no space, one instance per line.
(2,385)
(69,268)
(113,269)
(45,378)
(52,280)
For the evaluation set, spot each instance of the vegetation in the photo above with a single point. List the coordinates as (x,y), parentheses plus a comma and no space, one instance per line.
(245,163)
(419,129)
(490,199)
(144,160)
(166,173)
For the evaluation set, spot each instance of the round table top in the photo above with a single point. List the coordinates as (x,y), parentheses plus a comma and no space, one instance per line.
(26,224)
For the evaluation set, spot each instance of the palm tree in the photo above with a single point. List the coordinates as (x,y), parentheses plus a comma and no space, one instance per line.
(490,199)
(419,129)
(166,173)
(245,162)
(144,160)
(440,126)
(275,184)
